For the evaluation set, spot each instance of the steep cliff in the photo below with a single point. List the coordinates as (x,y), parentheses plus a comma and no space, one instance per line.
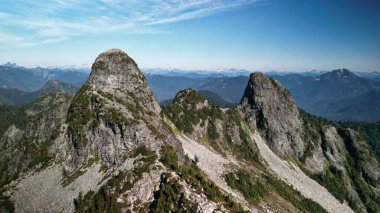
(113,113)
(268,106)
(337,158)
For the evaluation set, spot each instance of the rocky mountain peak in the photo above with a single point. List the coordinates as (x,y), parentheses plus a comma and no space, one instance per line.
(342,72)
(339,74)
(113,112)
(268,106)
(114,50)
(115,70)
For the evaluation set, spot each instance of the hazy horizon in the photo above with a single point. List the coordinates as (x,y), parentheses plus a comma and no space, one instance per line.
(195,35)
(159,70)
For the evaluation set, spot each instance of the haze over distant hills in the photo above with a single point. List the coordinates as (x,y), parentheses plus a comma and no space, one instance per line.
(373,75)
(335,95)
(13,76)
(338,95)
(19,97)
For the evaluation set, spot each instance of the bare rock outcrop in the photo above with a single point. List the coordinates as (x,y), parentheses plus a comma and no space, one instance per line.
(269,106)
(113,113)
(329,152)
(114,69)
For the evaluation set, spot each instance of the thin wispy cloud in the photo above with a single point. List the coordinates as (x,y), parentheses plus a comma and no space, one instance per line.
(30,23)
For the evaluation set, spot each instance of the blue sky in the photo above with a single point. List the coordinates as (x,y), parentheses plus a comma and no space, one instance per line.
(200,34)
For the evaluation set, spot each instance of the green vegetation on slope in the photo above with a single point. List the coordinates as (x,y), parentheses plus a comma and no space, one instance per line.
(170,198)
(27,152)
(246,150)
(5,204)
(195,178)
(105,199)
(169,157)
(312,131)
(184,113)
(78,116)
(354,167)
(189,108)
(332,180)
(85,109)
(369,131)
(252,190)
(11,115)
(24,152)
(293,196)
(332,177)
(170,195)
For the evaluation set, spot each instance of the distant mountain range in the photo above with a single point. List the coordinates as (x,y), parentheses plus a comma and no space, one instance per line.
(364,107)
(337,95)
(19,97)
(374,75)
(216,99)
(197,73)
(166,87)
(13,76)
(230,88)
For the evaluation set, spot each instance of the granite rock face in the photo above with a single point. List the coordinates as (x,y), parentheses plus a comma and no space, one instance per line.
(114,69)
(113,113)
(269,106)
(99,131)
(320,146)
